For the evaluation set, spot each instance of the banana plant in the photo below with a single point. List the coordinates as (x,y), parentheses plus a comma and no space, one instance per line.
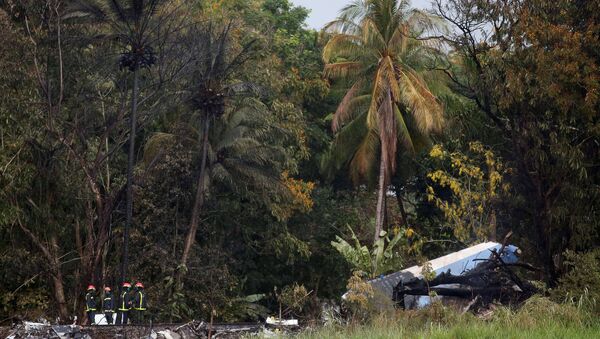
(381,259)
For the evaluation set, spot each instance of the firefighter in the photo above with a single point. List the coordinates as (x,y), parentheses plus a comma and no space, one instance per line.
(124,304)
(90,304)
(139,303)
(108,305)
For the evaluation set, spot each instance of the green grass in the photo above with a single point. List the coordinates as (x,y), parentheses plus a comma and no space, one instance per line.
(538,318)
(481,330)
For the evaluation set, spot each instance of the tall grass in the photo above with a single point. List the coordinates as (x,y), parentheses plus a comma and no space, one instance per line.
(537,318)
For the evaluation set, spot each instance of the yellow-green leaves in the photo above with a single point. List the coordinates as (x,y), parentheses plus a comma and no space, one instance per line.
(474,180)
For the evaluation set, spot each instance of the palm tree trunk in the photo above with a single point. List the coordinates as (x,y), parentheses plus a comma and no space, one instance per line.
(199,200)
(130,163)
(381,197)
(401,206)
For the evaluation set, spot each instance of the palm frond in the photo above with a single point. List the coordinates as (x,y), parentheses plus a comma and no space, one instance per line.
(344,112)
(404,134)
(259,179)
(85,9)
(344,45)
(121,13)
(344,146)
(399,39)
(219,173)
(423,105)
(364,159)
(137,7)
(342,69)
(230,137)
(349,15)
(372,35)
(342,26)
(157,146)
(422,22)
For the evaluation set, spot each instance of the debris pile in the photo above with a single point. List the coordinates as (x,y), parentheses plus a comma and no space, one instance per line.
(194,329)
(43,329)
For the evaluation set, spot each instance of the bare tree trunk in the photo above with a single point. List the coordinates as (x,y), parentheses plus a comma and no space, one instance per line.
(57,282)
(199,200)
(59,295)
(210,326)
(53,261)
(130,164)
(381,197)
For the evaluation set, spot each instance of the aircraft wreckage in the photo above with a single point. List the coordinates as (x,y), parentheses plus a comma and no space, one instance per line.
(478,275)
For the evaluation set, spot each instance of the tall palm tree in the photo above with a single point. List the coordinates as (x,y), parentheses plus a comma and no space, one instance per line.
(374,49)
(132,23)
(241,152)
(211,83)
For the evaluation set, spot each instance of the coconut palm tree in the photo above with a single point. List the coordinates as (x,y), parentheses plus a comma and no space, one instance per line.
(132,23)
(389,106)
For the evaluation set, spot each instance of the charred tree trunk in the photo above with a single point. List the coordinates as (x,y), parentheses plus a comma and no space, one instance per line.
(198,202)
(58,282)
(130,164)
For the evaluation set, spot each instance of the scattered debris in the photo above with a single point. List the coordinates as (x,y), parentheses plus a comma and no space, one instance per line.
(281,322)
(194,329)
(331,314)
(167,334)
(68,331)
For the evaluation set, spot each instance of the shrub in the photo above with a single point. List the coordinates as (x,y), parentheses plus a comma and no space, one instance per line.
(581,283)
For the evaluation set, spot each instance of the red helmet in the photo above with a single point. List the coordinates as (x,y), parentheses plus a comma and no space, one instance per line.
(107,289)
(91,287)
(139,284)
(126,284)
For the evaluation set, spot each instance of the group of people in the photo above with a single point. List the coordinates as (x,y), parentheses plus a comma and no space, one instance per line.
(130,304)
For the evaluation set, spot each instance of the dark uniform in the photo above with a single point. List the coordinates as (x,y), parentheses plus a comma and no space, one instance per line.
(124,305)
(108,306)
(90,304)
(140,304)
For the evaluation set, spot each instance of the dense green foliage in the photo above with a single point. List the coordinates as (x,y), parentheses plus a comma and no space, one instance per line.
(258,143)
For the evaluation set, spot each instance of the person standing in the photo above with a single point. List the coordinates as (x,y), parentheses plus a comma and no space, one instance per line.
(139,303)
(90,304)
(124,304)
(108,305)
